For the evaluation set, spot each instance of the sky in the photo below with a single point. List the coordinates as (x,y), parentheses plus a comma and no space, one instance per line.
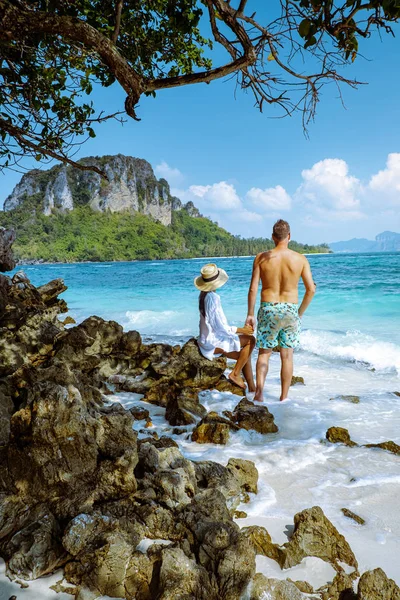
(245,169)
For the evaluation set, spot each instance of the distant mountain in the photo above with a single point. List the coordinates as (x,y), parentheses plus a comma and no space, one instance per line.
(388,241)
(69,215)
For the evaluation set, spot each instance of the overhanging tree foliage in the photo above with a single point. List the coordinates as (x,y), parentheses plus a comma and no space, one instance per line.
(52,52)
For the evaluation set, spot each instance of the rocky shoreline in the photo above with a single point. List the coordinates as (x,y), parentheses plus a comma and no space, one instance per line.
(81,491)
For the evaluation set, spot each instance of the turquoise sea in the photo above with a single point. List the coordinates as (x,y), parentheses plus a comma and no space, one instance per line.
(350,345)
(354,316)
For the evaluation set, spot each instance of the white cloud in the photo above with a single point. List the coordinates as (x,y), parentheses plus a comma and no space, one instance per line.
(385,185)
(275,198)
(220,196)
(329,191)
(171,174)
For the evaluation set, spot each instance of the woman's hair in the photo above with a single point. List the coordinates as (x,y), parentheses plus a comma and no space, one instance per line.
(202,303)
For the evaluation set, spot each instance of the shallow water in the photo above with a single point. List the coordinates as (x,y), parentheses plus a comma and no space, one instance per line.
(350,344)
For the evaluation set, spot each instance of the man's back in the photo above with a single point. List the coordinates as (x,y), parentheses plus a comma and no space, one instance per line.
(280,271)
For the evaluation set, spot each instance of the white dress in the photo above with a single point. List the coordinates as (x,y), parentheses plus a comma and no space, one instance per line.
(215,332)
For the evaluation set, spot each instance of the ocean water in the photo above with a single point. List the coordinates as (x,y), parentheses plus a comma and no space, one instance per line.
(350,344)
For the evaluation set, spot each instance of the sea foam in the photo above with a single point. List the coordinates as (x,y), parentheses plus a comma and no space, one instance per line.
(352,346)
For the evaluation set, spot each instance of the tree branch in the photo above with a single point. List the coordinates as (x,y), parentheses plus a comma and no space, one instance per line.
(15,23)
(118,12)
(20,136)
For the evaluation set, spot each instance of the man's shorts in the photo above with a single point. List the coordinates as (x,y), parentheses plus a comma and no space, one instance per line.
(278,325)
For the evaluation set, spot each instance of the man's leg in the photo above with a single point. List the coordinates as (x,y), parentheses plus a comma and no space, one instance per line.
(286,371)
(261,371)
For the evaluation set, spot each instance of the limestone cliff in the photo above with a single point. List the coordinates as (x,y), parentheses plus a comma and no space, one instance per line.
(132,185)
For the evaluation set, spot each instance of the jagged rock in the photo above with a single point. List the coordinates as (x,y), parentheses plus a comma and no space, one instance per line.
(213,429)
(348,513)
(296,380)
(314,535)
(240,514)
(396,393)
(234,481)
(263,588)
(182,578)
(35,550)
(6,410)
(262,542)
(131,343)
(184,409)
(139,413)
(248,416)
(352,399)
(224,385)
(245,472)
(303,586)
(7,238)
(376,585)
(49,291)
(341,588)
(84,346)
(339,435)
(389,446)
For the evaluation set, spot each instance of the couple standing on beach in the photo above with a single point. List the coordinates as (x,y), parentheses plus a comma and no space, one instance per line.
(279,317)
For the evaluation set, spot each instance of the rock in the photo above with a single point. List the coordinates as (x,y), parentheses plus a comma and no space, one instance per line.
(375,585)
(303,586)
(350,515)
(49,291)
(234,481)
(248,415)
(245,472)
(69,321)
(262,542)
(339,435)
(139,413)
(240,514)
(35,550)
(296,380)
(131,343)
(352,399)
(341,588)
(314,535)
(224,385)
(6,410)
(184,409)
(263,588)
(213,429)
(182,578)
(7,238)
(389,446)
(396,393)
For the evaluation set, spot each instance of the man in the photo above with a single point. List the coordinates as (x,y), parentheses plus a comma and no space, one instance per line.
(279,317)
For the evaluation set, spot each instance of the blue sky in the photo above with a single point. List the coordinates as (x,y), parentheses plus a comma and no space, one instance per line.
(244,169)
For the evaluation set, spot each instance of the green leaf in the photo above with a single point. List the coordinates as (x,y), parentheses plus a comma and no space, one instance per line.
(304,28)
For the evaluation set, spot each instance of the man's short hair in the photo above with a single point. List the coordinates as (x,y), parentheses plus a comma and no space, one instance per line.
(281,230)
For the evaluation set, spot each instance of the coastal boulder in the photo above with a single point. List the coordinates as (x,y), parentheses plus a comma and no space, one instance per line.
(213,429)
(183,409)
(248,415)
(376,585)
(339,435)
(7,238)
(314,535)
(389,446)
(181,578)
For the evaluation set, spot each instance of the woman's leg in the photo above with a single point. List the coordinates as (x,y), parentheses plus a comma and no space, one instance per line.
(243,358)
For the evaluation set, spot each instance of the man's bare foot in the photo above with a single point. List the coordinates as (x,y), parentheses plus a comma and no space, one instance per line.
(284,399)
(251,390)
(237,380)
(259,397)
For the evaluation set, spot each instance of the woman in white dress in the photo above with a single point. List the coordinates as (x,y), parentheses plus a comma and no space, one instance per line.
(217,337)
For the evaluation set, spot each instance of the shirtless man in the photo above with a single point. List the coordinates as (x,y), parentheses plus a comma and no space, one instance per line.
(278,321)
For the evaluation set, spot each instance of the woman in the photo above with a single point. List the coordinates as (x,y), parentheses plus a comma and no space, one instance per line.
(217,337)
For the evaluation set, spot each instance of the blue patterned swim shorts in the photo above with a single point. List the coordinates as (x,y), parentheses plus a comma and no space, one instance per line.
(278,325)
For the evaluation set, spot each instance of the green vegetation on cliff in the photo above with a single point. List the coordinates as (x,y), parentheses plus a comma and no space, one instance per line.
(83,234)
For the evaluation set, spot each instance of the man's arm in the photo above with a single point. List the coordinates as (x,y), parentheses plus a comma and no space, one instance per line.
(310,286)
(253,290)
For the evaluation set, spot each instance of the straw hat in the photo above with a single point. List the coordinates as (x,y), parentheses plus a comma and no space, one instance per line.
(211,278)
